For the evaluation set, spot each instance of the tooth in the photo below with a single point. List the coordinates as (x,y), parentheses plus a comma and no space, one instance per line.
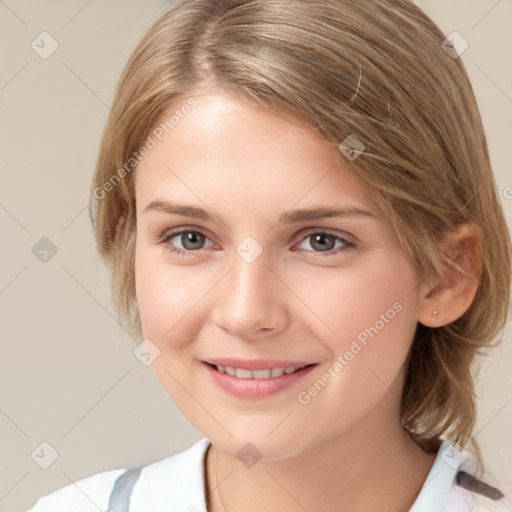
(243,374)
(261,374)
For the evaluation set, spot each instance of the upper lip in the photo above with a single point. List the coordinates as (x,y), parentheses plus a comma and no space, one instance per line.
(256,364)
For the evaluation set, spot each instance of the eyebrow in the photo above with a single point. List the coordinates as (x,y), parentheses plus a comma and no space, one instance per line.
(297,215)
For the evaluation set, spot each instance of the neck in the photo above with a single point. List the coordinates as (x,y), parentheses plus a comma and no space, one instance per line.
(362,469)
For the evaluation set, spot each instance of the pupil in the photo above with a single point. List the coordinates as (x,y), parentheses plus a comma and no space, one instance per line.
(323,246)
(192,238)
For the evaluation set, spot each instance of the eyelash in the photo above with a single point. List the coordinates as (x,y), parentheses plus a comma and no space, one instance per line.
(348,244)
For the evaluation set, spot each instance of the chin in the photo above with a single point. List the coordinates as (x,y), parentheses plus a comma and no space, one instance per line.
(259,446)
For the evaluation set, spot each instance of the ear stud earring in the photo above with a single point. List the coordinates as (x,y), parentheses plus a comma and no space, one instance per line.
(435,312)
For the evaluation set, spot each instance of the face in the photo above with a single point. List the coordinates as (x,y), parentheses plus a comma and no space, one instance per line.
(227,267)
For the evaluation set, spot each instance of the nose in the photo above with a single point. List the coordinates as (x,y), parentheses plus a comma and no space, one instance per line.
(250,302)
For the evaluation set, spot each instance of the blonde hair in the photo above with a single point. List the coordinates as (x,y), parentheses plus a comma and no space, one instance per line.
(374,69)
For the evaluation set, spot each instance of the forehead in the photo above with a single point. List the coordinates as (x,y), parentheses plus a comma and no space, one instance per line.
(230,152)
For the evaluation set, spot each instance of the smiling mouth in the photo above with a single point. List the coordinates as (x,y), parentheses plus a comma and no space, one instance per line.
(267,373)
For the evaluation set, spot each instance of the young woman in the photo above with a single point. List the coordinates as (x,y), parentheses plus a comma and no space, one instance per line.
(298,206)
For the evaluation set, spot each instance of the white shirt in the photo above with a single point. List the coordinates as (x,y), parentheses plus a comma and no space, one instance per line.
(177,484)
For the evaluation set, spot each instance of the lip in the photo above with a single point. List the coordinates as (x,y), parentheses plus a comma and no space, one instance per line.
(256,364)
(256,389)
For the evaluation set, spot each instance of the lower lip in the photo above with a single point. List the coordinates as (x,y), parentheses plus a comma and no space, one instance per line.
(255,388)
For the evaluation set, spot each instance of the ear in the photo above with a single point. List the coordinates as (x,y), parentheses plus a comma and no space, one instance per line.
(452,292)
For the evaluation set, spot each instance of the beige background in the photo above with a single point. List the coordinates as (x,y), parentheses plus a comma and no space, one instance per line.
(67,372)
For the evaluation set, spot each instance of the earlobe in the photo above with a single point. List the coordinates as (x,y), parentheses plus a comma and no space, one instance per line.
(453,291)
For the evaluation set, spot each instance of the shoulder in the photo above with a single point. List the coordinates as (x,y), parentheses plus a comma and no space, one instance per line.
(151,484)
(471,494)
(89,494)
(452,485)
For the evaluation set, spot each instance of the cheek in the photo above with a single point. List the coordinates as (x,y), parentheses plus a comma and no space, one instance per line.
(352,298)
(370,314)
(168,297)
(155,295)
(367,314)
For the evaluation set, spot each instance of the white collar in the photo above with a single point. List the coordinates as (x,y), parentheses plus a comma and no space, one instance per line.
(176,483)
(156,488)
(433,496)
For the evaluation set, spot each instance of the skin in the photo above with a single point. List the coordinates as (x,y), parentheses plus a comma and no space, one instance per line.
(346,449)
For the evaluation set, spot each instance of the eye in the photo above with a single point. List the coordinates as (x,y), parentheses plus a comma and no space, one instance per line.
(323,242)
(190,239)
